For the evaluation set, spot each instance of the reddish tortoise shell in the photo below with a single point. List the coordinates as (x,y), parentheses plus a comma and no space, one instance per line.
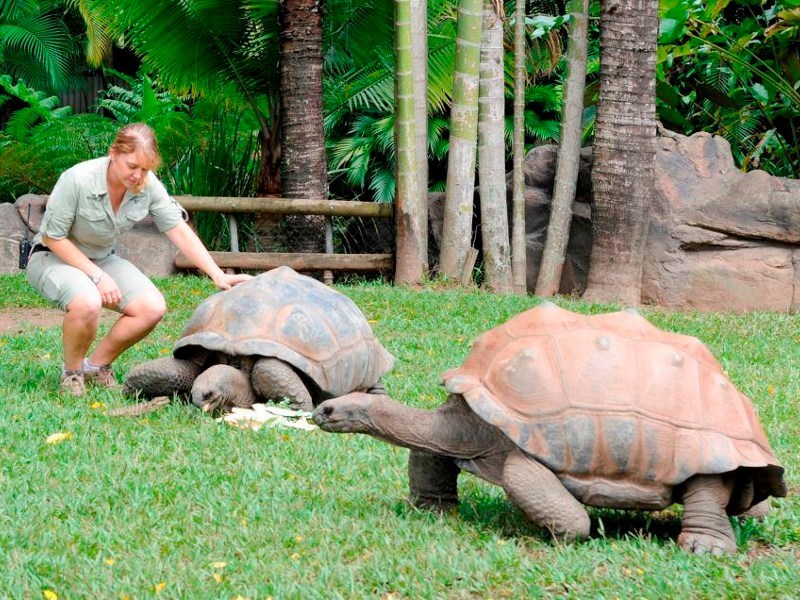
(620,411)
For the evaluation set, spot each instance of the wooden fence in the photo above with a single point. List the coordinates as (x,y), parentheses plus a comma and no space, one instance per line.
(299,261)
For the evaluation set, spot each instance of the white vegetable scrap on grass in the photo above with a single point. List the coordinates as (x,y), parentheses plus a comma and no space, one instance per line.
(263,415)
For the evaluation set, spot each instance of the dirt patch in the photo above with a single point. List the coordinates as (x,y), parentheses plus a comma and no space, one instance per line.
(19,320)
(14,321)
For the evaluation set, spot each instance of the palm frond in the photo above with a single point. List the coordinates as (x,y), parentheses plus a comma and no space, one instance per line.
(36,46)
(209,42)
(50,148)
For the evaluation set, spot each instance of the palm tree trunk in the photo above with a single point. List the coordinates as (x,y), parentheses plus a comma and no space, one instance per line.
(408,268)
(569,154)
(304,168)
(491,153)
(623,174)
(457,228)
(519,262)
(419,51)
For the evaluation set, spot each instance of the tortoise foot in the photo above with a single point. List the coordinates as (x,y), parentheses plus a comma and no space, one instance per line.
(715,543)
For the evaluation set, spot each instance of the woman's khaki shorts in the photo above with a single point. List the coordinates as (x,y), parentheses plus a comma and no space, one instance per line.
(61,283)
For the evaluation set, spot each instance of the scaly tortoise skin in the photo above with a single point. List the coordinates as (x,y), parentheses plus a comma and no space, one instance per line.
(279,335)
(564,410)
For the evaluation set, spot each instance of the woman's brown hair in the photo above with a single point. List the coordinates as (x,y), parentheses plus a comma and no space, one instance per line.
(140,138)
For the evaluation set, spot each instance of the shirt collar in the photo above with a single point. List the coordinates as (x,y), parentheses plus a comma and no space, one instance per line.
(99,185)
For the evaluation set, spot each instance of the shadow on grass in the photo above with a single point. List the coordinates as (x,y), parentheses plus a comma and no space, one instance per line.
(489,512)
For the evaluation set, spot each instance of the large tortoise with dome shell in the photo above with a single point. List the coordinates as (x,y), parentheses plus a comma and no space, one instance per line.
(564,410)
(278,336)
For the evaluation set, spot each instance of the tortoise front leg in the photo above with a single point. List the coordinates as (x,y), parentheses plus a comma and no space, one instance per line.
(543,498)
(161,377)
(433,479)
(706,526)
(274,380)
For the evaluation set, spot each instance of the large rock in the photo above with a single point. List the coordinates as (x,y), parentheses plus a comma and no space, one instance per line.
(143,245)
(720,239)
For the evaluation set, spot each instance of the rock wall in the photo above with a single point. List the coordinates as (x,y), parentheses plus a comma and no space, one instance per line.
(720,239)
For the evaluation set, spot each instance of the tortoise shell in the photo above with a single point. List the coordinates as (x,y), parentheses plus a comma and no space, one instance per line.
(621,411)
(297,319)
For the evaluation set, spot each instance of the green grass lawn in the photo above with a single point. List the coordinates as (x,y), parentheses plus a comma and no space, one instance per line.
(177,505)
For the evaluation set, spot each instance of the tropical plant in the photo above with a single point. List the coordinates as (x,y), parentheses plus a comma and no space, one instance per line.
(566,178)
(32,107)
(35,44)
(409,257)
(34,164)
(359,71)
(459,193)
(731,68)
(492,153)
(221,160)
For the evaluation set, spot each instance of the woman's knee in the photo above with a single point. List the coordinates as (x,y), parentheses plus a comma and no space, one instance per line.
(86,305)
(149,306)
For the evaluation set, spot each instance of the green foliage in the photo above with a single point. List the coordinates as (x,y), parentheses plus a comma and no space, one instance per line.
(35,44)
(209,146)
(177,505)
(734,77)
(222,160)
(359,94)
(34,107)
(33,166)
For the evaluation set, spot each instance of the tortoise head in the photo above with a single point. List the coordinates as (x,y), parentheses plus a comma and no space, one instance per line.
(347,414)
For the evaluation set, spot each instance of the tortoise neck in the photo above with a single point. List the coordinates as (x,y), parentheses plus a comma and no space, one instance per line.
(451,429)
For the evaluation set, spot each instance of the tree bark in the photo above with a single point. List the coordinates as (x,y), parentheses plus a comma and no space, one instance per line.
(419,51)
(304,168)
(519,261)
(491,154)
(624,150)
(569,153)
(408,269)
(460,186)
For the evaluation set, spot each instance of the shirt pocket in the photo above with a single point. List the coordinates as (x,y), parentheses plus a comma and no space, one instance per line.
(92,213)
(132,214)
(93,226)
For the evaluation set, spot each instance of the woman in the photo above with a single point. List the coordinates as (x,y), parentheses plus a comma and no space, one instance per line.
(73,263)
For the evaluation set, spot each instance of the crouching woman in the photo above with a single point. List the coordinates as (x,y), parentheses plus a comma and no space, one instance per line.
(73,264)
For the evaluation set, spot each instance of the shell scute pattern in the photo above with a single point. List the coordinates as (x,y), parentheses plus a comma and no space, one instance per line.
(295,318)
(610,396)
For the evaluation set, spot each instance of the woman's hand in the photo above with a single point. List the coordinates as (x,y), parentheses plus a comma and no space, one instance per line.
(226,281)
(109,290)
(187,242)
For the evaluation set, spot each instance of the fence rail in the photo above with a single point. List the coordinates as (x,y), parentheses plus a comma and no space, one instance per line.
(305,261)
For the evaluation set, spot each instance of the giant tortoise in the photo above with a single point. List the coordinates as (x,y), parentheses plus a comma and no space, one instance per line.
(280,335)
(564,410)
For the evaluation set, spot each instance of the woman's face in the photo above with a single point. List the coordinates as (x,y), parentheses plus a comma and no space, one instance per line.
(130,169)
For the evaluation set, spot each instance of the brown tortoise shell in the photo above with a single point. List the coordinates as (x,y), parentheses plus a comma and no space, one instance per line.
(295,318)
(621,411)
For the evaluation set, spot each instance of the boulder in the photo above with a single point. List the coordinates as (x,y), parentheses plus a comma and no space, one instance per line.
(718,239)
(143,245)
